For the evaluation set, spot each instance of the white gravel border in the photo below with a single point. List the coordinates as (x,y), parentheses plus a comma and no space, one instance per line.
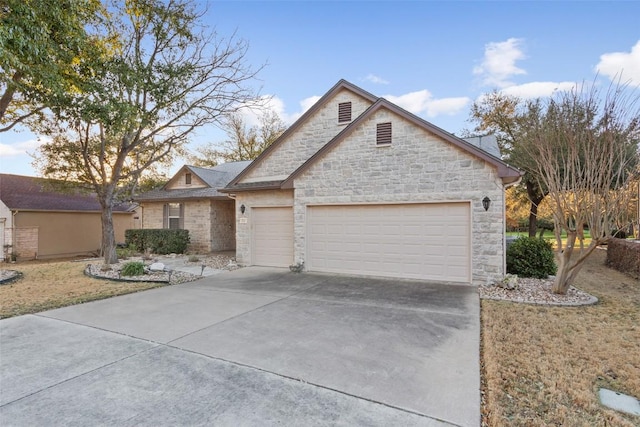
(536,291)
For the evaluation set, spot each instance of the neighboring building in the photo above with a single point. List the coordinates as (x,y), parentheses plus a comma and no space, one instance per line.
(191,201)
(38,221)
(358,185)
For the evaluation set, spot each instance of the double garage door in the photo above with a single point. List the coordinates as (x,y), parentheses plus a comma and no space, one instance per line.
(419,241)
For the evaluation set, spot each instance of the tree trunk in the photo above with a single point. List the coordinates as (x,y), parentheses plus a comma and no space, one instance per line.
(568,269)
(108,232)
(533,219)
(535,197)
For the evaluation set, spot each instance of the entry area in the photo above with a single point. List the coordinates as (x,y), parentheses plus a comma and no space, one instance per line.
(272,236)
(429,241)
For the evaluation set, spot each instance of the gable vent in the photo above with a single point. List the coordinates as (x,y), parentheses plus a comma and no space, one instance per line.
(344,112)
(383,133)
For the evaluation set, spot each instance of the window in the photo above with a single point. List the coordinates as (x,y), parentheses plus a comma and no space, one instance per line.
(174,216)
(383,133)
(187,178)
(344,112)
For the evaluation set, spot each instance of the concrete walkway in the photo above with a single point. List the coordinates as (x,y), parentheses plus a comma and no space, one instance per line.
(251,347)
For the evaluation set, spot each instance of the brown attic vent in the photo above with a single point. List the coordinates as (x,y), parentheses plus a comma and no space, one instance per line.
(383,133)
(344,112)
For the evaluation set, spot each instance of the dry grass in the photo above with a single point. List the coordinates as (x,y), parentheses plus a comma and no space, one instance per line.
(48,285)
(542,366)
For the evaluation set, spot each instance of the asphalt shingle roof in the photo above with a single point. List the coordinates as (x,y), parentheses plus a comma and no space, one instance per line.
(216,177)
(20,192)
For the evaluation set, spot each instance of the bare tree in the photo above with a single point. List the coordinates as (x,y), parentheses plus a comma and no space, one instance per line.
(243,142)
(584,149)
(165,80)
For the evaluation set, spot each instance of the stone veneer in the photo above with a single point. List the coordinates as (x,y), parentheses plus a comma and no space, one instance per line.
(315,132)
(210,223)
(417,167)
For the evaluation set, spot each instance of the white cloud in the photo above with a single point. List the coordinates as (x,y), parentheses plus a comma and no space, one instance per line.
(537,89)
(305,104)
(377,80)
(499,62)
(623,65)
(20,148)
(252,114)
(446,106)
(422,102)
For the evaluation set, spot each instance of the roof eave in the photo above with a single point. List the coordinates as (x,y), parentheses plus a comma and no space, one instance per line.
(232,190)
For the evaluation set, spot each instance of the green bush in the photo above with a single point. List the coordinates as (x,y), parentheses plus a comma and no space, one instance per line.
(158,241)
(127,252)
(134,268)
(530,257)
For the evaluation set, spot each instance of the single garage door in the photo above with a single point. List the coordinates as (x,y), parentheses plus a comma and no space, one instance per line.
(272,236)
(418,241)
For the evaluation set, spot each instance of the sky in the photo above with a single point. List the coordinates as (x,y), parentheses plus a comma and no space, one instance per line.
(432,58)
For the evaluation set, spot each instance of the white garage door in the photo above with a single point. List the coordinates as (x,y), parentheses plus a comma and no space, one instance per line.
(272,236)
(419,241)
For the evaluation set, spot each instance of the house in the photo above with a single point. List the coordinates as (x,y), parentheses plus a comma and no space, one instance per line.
(39,221)
(190,200)
(361,186)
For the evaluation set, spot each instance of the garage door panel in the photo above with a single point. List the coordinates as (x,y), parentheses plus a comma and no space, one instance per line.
(425,241)
(273,236)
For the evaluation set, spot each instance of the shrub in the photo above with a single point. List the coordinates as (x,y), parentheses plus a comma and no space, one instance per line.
(135,268)
(624,256)
(531,257)
(158,241)
(126,252)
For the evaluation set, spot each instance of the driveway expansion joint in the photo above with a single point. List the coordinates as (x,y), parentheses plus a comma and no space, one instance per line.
(300,380)
(239,315)
(106,365)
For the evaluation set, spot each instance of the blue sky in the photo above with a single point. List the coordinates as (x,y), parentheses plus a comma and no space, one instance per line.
(432,58)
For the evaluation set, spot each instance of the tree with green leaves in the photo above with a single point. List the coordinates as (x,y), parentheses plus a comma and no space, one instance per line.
(43,45)
(243,142)
(503,115)
(166,77)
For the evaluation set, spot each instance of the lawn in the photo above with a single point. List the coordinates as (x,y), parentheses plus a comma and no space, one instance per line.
(48,285)
(550,236)
(543,366)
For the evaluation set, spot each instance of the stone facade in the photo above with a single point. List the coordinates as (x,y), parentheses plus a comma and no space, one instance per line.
(179,181)
(211,223)
(320,162)
(315,132)
(416,167)
(223,226)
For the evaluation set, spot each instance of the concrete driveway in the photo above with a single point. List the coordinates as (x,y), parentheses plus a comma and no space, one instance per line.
(252,347)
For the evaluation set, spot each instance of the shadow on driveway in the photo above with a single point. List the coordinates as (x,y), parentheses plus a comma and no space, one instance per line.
(254,346)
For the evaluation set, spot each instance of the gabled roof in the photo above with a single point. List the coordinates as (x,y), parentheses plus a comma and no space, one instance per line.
(214,178)
(508,173)
(488,143)
(342,84)
(29,193)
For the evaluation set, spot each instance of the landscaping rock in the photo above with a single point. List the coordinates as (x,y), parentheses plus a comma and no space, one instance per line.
(156,266)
